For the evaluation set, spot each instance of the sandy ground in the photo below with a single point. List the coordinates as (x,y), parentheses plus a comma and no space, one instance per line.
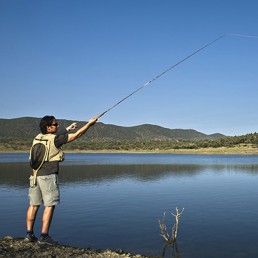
(240,150)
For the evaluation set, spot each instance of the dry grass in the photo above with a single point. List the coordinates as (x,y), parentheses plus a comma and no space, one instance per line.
(239,150)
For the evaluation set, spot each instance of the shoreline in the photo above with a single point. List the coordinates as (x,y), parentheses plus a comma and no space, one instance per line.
(241,150)
(18,247)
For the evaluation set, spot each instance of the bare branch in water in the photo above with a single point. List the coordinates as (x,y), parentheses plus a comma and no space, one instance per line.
(175,227)
(163,228)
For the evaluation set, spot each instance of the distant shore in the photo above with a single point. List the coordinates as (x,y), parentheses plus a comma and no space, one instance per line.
(240,150)
(221,150)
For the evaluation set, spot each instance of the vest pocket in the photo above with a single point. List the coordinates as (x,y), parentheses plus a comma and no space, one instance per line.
(32,181)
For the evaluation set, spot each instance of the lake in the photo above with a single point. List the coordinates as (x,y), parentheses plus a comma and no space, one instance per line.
(114,201)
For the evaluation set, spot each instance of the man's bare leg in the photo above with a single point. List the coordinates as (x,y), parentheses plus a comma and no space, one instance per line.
(31,216)
(46,222)
(30,220)
(47,218)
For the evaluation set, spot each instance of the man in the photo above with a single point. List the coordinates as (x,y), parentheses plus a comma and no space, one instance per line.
(46,190)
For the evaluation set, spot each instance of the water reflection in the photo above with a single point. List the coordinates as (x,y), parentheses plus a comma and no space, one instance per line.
(173,248)
(17,174)
(93,173)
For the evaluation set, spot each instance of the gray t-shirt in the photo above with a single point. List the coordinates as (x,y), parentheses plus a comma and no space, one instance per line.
(52,167)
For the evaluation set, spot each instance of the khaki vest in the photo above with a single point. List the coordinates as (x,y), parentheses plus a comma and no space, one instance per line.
(53,153)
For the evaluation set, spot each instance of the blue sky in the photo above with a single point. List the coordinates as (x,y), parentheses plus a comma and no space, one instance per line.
(75,59)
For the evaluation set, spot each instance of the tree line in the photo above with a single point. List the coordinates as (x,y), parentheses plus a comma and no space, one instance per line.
(12,144)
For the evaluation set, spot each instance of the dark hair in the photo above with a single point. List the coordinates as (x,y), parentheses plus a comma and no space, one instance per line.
(46,121)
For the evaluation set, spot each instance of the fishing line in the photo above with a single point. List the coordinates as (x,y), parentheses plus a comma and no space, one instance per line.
(173,66)
(241,35)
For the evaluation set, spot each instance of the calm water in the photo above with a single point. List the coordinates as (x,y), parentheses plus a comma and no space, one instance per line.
(115,200)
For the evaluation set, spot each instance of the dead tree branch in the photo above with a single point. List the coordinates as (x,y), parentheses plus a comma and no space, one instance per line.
(163,228)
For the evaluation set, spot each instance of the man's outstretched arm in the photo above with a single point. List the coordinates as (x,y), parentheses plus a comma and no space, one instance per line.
(83,130)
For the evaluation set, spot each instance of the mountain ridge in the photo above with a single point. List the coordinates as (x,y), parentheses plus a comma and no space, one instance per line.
(28,127)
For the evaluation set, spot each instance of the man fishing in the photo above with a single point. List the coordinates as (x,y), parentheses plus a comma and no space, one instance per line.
(45,155)
(44,187)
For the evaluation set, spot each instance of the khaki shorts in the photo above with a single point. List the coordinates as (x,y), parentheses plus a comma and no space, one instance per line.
(46,191)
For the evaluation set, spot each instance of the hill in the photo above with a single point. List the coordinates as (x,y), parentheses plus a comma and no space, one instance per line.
(27,127)
(17,134)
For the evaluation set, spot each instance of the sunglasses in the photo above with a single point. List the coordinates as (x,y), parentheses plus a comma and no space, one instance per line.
(55,124)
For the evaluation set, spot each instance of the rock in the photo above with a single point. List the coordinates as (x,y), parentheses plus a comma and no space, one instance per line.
(8,238)
(2,251)
(11,247)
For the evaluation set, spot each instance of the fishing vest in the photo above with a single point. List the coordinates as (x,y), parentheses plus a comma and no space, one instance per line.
(53,153)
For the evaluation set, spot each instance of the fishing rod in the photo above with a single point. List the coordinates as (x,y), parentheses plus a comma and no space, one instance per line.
(173,66)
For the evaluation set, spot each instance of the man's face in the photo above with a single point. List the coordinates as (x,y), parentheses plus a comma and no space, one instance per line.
(53,127)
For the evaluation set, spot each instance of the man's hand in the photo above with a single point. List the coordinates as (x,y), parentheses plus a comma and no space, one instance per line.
(73,126)
(81,131)
(93,120)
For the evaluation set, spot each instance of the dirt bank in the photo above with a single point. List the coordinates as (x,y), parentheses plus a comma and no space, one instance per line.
(238,150)
(10,247)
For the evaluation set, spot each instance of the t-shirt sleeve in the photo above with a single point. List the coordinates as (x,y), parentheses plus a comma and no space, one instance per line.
(61,139)
(61,130)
